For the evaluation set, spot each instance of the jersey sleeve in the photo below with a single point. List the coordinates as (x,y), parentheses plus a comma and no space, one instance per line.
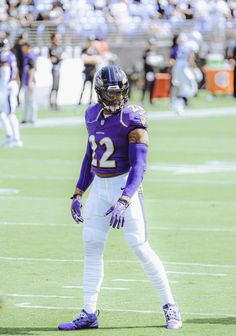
(137,117)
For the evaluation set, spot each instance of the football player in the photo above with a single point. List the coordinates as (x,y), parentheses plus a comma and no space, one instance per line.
(8,96)
(185,73)
(115,164)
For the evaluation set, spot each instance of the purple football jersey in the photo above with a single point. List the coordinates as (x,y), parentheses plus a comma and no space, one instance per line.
(29,63)
(108,137)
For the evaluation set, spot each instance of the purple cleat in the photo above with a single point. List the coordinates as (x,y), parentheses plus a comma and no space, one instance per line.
(83,321)
(172,314)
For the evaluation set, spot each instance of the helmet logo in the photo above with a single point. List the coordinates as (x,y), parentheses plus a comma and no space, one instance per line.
(113,87)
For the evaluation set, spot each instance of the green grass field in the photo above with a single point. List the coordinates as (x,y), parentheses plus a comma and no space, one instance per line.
(190,193)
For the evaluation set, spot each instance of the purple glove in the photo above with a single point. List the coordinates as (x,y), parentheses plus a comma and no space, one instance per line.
(76,206)
(118,212)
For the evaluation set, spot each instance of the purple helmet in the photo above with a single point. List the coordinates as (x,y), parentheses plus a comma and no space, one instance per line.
(112,86)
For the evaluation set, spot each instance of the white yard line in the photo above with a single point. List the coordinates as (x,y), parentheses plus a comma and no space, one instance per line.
(37,224)
(199,113)
(29,306)
(198,273)
(151,227)
(195,181)
(138,280)
(193,229)
(103,288)
(37,178)
(7,192)
(147,179)
(41,296)
(203,168)
(109,261)
(147,200)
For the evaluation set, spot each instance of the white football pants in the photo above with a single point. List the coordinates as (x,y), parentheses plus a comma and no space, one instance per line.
(104,193)
(8,102)
(30,105)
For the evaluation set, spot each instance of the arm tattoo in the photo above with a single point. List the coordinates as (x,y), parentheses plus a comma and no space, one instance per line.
(138,135)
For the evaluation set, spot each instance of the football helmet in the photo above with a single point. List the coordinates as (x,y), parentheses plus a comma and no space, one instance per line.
(112,86)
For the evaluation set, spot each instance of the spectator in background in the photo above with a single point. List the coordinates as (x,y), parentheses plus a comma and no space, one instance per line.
(234,63)
(29,68)
(8,94)
(91,57)
(174,49)
(231,55)
(149,70)
(55,54)
(19,60)
(173,57)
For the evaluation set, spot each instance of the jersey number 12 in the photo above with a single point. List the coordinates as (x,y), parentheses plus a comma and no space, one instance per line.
(104,162)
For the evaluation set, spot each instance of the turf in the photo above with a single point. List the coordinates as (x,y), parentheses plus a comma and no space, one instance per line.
(204,100)
(191,216)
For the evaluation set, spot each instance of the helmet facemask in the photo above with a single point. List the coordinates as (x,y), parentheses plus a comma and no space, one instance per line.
(113,100)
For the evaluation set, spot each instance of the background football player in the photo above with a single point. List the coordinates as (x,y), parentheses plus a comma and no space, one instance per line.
(115,164)
(185,73)
(8,96)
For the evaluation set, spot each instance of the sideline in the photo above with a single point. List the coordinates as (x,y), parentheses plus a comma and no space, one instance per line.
(79,120)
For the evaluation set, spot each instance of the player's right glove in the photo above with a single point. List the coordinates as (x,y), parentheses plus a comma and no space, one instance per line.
(76,207)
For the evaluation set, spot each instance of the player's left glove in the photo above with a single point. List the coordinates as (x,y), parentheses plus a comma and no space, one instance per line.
(76,206)
(118,212)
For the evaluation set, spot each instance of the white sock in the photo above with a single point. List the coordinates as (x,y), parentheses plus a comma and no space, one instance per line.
(15,126)
(93,273)
(6,124)
(154,269)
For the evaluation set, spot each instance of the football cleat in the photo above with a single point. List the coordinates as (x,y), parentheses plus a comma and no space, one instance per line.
(178,106)
(172,314)
(17,143)
(83,321)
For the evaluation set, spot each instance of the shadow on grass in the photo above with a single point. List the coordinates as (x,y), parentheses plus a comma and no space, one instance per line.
(223,320)
(31,331)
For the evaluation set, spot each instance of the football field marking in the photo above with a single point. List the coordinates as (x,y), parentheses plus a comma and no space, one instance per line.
(204,168)
(103,288)
(147,179)
(138,280)
(41,296)
(165,115)
(112,261)
(9,191)
(194,229)
(28,305)
(151,227)
(147,200)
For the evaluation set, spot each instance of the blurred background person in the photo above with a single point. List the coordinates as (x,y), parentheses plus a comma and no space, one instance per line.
(185,73)
(172,59)
(8,96)
(232,59)
(19,61)
(91,58)
(56,55)
(149,70)
(29,68)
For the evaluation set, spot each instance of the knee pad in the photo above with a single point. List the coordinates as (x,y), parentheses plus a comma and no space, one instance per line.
(93,249)
(144,252)
(92,234)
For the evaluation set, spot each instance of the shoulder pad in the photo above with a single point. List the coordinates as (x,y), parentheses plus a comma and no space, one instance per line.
(135,116)
(92,113)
